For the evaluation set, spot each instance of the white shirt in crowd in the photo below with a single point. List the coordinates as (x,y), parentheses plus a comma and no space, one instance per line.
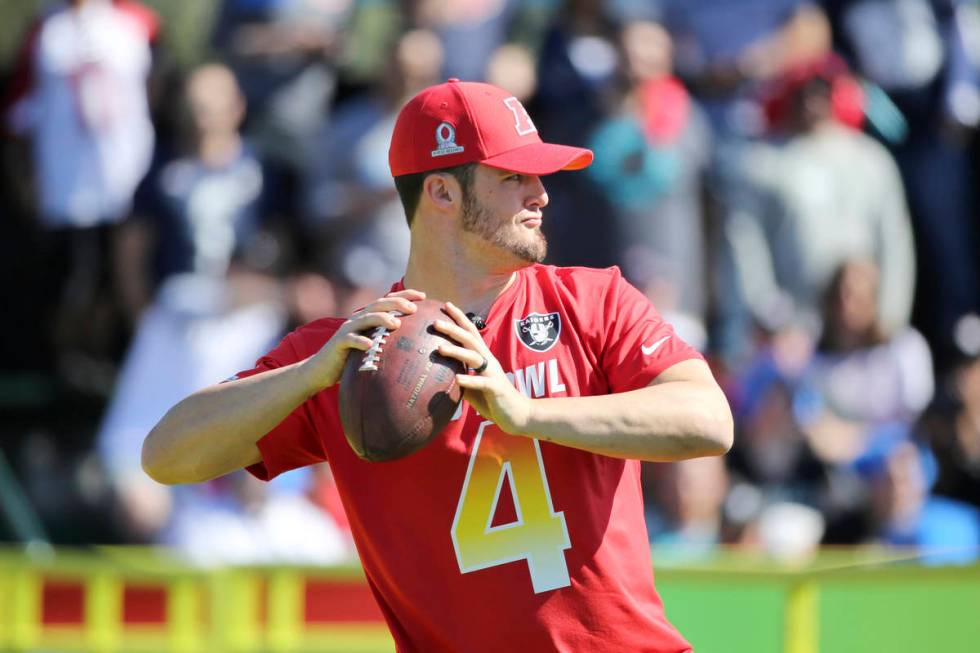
(87,113)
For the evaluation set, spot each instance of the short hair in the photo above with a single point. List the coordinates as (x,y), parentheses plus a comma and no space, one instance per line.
(409,187)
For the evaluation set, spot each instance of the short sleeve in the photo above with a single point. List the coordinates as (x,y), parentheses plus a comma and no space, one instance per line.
(294,442)
(638,344)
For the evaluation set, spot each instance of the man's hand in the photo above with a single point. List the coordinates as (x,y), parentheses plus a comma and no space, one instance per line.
(489,392)
(328,364)
(216,430)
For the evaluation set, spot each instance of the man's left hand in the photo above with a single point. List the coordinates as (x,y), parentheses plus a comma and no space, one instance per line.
(490,392)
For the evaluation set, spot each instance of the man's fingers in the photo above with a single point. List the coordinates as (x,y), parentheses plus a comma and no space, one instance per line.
(401,305)
(408,293)
(461,335)
(473,382)
(467,357)
(460,318)
(357,341)
(372,320)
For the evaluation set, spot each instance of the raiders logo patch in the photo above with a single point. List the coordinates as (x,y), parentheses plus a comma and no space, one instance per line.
(539,332)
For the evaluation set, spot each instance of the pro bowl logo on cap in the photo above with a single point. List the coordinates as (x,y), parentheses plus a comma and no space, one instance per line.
(539,332)
(446,140)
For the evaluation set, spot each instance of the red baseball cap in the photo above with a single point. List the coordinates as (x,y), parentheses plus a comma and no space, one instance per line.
(465,122)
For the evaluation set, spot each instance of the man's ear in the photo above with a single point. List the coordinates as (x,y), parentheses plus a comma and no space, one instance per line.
(442,191)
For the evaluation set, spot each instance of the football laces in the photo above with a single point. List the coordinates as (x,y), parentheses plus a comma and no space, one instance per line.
(371,357)
(373,354)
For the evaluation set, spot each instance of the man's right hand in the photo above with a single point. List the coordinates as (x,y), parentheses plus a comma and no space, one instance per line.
(327,365)
(215,430)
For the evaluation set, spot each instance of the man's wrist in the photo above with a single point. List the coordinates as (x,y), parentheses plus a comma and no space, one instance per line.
(528,425)
(309,376)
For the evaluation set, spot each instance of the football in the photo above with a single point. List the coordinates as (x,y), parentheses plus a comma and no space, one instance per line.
(398,395)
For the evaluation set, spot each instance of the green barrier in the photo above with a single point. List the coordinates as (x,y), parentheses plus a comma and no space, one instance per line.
(843,601)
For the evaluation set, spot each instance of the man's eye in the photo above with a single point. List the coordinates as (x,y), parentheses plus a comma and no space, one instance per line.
(515,178)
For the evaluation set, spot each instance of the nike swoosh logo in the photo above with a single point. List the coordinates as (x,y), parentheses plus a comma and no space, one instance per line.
(652,348)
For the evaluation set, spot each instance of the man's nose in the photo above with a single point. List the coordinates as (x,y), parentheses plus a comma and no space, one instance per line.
(538,195)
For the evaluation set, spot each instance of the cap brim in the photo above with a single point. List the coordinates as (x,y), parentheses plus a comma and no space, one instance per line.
(541,159)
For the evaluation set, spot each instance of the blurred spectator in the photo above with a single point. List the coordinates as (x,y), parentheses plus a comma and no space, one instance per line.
(725,47)
(723,51)
(578,66)
(202,210)
(803,423)
(240,520)
(351,205)
(685,513)
(861,382)
(469,31)
(952,426)
(856,353)
(651,152)
(825,195)
(771,453)
(512,67)
(196,273)
(284,53)
(577,70)
(840,412)
(925,55)
(903,513)
(79,95)
(775,471)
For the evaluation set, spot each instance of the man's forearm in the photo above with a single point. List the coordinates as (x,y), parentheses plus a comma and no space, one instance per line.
(665,422)
(214,431)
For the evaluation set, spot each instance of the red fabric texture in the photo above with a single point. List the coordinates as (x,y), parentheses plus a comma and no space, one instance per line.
(404,514)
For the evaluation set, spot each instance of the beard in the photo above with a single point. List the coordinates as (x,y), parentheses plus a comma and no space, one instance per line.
(479,221)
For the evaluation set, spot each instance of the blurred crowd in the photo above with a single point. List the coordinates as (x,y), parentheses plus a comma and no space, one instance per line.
(792,183)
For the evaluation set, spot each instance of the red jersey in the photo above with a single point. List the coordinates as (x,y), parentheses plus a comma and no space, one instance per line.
(484,541)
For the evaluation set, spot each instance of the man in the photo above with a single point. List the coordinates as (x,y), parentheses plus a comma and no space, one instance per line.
(556,558)
(201,305)
(78,104)
(824,194)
